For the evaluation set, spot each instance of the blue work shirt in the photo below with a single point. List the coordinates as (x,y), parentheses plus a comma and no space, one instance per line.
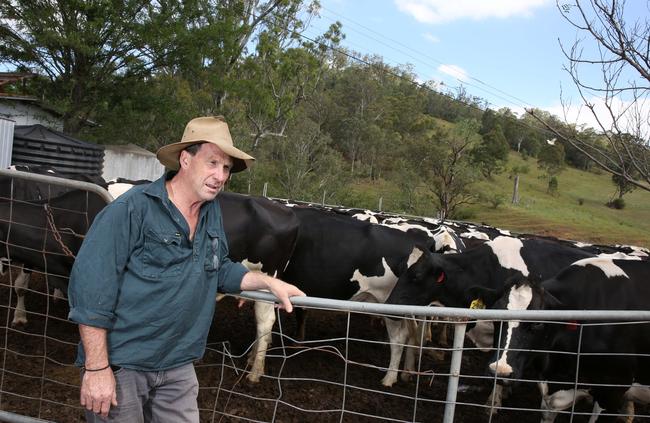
(139,276)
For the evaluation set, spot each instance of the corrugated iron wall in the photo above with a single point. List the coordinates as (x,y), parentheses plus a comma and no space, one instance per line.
(6,141)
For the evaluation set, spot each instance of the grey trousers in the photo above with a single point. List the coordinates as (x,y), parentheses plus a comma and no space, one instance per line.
(154,397)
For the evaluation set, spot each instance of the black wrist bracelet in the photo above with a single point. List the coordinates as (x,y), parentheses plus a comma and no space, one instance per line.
(96,370)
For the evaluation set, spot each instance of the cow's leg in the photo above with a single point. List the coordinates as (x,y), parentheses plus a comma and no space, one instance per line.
(397,336)
(595,413)
(21,284)
(58,295)
(264,319)
(4,265)
(636,394)
(495,399)
(415,331)
(559,400)
(435,354)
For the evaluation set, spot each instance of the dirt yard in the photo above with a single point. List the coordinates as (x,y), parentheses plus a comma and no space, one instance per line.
(333,376)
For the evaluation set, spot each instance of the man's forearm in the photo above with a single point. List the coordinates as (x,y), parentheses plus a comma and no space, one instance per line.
(95,347)
(253,281)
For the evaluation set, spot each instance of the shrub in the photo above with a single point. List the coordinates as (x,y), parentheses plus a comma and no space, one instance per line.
(581,201)
(618,204)
(495,200)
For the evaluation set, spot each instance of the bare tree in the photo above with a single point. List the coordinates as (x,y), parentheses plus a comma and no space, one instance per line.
(618,44)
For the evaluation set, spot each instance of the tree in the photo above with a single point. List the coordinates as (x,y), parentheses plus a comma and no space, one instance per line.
(305,164)
(622,56)
(492,153)
(515,172)
(443,157)
(86,49)
(79,46)
(277,79)
(551,160)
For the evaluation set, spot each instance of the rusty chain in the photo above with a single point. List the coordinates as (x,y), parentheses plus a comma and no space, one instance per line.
(57,235)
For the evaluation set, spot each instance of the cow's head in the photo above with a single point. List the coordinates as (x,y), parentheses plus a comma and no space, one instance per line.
(421,283)
(518,342)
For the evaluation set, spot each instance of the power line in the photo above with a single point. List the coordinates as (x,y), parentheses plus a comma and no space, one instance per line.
(409,80)
(522,103)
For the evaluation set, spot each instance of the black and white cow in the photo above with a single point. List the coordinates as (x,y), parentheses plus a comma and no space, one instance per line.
(447,278)
(347,259)
(261,234)
(45,235)
(613,356)
(15,188)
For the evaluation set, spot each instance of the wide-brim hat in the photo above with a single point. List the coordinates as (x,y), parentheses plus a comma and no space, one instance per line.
(212,129)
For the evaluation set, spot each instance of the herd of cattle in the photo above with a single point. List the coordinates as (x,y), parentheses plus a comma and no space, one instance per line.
(352,254)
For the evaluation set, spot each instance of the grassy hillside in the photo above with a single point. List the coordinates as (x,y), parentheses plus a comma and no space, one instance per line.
(559,215)
(563,215)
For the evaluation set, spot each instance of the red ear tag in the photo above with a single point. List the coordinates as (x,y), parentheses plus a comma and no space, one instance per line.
(441,278)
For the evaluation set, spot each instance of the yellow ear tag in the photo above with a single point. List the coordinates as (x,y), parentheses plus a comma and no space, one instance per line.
(477,303)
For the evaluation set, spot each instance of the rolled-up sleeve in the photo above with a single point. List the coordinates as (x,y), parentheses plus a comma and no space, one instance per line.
(98,268)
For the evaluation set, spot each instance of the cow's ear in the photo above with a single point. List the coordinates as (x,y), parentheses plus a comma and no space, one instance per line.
(421,267)
(487,296)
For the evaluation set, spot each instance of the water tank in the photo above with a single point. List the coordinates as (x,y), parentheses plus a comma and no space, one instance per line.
(39,145)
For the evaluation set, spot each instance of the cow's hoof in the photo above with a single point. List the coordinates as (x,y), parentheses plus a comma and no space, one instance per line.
(388,382)
(19,323)
(253,377)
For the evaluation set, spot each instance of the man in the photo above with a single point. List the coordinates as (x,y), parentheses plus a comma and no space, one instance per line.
(144,283)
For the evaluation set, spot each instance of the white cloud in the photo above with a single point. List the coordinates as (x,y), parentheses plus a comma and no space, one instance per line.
(455,71)
(440,11)
(633,116)
(431,38)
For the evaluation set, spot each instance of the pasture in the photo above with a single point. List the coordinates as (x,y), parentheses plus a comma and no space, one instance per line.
(576,212)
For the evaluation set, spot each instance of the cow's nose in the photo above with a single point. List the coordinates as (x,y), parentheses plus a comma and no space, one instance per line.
(501,368)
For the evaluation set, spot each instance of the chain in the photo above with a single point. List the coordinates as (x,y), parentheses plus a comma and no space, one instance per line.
(57,235)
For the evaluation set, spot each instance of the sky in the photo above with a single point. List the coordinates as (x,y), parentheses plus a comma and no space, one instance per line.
(504,51)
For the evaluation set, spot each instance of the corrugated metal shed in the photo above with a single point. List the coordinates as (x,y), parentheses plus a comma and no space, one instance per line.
(6,141)
(131,162)
(38,145)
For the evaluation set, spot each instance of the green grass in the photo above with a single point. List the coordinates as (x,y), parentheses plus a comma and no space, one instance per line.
(562,215)
(538,212)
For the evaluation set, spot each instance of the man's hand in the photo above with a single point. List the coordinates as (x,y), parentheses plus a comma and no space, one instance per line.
(98,391)
(282,290)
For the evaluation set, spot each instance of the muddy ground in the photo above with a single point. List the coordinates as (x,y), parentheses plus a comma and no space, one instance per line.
(333,376)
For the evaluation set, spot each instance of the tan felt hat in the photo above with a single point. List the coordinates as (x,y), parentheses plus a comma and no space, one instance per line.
(212,129)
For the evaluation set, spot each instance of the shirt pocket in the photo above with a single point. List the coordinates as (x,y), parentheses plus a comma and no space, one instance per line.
(212,258)
(163,254)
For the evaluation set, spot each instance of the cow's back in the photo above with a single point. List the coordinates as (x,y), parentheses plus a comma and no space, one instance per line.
(332,247)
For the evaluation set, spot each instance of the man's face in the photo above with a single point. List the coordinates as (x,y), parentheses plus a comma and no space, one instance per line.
(208,170)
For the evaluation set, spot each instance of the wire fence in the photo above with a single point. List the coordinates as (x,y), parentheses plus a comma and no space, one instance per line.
(333,374)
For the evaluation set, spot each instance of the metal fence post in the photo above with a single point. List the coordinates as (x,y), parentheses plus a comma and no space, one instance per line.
(454,372)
